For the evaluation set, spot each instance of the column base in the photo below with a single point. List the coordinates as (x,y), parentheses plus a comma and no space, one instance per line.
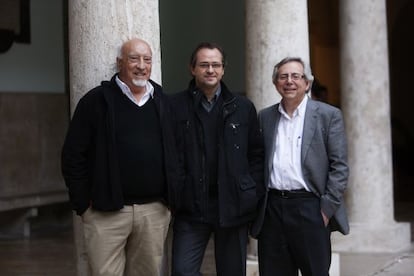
(362,238)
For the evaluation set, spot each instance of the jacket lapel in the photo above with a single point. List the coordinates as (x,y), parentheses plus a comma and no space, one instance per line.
(271,134)
(309,128)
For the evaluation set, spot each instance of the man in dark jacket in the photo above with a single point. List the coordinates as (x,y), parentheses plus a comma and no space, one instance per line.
(221,156)
(118,162)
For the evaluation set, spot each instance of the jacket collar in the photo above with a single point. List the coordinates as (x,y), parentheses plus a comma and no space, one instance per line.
(111,86)
(196,94)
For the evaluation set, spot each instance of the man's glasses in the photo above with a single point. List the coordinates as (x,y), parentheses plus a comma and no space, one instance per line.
(293,76)
(138,59)
(206,65)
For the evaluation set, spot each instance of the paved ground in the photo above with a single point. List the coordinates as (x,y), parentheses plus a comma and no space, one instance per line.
(53,255)
(399,264)
(50,252)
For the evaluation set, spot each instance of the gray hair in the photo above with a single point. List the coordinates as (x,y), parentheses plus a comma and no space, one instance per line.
(119,51)
(306,69)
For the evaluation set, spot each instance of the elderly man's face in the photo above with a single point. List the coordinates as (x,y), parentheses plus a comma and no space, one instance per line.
(136,63)
(291,82)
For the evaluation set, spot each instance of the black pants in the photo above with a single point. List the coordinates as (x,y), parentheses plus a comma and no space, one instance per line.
(190,240)
(294,238)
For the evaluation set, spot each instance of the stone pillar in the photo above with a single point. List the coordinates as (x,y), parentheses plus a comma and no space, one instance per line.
(366,106)
(96,31)
(274,29)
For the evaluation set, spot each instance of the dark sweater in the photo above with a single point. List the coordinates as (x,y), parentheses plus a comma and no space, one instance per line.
(209,122)
(140,153)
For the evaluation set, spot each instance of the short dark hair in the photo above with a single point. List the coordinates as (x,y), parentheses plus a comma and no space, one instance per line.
(207,45)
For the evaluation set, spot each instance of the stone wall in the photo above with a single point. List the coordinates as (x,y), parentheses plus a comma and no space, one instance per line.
(32,129)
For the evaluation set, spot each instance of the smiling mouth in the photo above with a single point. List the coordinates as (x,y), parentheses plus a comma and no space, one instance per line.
(139,75)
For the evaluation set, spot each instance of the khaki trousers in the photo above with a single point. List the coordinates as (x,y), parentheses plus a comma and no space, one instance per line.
(127,242)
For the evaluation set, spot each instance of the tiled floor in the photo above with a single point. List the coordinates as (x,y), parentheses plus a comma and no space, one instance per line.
(50,252)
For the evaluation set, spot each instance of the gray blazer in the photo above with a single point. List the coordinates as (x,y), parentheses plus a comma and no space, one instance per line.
(324,160)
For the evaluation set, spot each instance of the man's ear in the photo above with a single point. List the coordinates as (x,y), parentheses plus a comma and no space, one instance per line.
(191,69)
(308,86)
(118,63)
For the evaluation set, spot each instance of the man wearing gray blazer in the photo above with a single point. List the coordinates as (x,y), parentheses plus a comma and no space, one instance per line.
(306,174)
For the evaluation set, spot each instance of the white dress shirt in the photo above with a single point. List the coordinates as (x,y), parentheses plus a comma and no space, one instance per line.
(286,171)
(149,92)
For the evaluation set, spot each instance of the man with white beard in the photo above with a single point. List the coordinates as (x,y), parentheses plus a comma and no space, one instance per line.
(118,161)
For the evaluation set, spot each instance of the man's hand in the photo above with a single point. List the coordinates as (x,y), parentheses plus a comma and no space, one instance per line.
(325,219)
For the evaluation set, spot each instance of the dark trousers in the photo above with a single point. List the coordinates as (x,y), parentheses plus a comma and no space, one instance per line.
(294,238)
(190,240)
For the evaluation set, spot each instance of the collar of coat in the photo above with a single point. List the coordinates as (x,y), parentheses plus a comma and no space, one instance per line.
(196,94)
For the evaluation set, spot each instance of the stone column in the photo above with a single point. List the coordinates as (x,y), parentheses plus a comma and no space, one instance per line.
(96,31)
(366,107)
(274,29)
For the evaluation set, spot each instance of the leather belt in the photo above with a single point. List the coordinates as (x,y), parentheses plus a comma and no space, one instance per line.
(302,193)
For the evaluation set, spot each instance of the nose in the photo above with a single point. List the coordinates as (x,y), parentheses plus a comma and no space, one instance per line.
(141,63)
(210,68)
(289,78)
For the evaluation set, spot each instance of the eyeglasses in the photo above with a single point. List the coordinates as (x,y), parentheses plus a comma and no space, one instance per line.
(137,59)
(293,76)
(206,65)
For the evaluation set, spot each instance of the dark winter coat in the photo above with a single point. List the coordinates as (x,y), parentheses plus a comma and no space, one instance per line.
(240,158)
(89,158)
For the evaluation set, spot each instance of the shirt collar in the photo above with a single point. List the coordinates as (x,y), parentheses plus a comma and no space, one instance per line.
(299,111)
(216,94)
(149,89)
(208,105)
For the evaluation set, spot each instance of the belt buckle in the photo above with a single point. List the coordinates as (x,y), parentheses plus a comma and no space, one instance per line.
(283,194)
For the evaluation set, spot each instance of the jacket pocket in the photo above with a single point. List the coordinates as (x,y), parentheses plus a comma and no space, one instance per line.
(247,195)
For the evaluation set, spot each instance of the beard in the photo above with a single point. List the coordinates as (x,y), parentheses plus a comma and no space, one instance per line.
(139,83)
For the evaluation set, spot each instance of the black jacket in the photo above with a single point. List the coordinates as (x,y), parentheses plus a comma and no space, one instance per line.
(240,158)
(89,158)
